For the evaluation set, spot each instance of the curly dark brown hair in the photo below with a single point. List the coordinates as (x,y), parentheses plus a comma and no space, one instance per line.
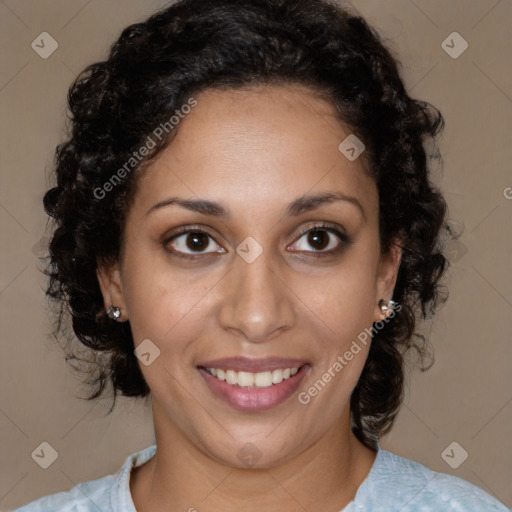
(152,70)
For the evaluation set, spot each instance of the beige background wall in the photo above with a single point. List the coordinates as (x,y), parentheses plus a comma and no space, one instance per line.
(466,397)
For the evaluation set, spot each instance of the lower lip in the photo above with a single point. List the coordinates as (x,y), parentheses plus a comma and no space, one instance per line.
(254,399)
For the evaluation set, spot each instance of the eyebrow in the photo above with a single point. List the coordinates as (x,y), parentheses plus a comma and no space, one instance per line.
(297,207)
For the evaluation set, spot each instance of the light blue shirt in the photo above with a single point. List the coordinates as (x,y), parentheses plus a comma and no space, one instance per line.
(394,484)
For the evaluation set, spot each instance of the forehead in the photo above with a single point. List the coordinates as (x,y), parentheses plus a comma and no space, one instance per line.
(249,147)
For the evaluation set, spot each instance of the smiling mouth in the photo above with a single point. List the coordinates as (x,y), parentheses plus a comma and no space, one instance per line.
(243,379)
(250,384)
(248,391)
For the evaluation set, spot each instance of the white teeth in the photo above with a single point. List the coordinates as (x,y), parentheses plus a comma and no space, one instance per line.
(248,379)
(231,377)
(262,380)
(277,376)
(245,379)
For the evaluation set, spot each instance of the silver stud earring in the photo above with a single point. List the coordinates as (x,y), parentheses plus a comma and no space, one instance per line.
(385,305)
(114,312)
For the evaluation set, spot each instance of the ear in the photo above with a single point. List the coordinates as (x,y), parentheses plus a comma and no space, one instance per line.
(109,278)
(386,277)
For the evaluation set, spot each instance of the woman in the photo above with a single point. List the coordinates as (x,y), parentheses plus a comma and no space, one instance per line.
(247,233)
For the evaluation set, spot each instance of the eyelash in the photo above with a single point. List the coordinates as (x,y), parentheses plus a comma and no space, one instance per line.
(324,226)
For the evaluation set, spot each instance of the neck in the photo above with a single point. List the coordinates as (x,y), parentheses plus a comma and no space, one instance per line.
(181,477)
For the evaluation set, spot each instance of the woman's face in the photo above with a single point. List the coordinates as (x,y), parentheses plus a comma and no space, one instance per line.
(236,277)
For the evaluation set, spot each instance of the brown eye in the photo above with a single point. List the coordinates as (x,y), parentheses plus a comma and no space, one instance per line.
(196,241)
(318,239)
(192,242)
(321,239)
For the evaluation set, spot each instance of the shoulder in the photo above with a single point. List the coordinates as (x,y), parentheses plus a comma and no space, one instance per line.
(84,497)
(397,483)
(111,492)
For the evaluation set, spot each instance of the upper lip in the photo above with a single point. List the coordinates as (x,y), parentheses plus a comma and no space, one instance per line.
(246,364)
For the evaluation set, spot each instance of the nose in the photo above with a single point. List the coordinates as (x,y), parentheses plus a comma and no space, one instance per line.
(257,303)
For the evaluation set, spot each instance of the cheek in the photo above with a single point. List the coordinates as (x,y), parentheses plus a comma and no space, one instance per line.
(162,299)
(342,299)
